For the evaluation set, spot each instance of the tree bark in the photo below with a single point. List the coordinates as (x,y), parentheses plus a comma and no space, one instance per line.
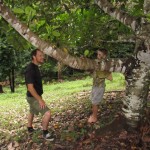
(1,89)
(119,15)
(137,90)
(12,80)
(60,67)
(138,75)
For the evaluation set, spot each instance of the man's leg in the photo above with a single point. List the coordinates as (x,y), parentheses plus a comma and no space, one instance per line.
(45,120)
(93,117)
(30,119)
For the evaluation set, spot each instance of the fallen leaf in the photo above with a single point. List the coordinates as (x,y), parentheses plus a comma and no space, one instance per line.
(16,144)
(10,146)
(123,135)
(146,139)
(87,141)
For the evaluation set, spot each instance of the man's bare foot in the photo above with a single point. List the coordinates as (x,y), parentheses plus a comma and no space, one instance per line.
(92,119)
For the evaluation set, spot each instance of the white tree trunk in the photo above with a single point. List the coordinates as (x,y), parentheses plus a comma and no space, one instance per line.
(138,80)
(137,90)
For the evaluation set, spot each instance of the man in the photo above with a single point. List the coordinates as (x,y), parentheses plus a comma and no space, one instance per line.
(34,93)
(98,88)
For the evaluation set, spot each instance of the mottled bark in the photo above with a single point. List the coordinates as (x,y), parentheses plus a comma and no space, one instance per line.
(137,89)
(138,82)
(146,6)
(121,16)
(137,77)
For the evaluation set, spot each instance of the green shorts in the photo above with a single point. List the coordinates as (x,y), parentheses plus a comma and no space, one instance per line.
(35,107)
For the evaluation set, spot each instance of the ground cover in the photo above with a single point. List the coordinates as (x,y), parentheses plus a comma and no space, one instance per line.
(70,106)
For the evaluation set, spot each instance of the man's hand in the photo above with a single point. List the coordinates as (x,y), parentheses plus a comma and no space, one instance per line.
(36,96)
(42,104)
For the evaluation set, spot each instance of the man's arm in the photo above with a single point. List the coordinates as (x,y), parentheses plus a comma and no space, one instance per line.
(33,92)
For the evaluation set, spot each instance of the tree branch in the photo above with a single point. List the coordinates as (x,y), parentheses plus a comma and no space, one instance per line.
(118,41)
(113,65)
(146,6)
(120,15)
(45,46)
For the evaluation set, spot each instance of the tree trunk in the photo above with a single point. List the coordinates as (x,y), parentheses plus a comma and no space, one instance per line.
(139,79)
(12,80)
(1,89)
(137,90)
(59,67)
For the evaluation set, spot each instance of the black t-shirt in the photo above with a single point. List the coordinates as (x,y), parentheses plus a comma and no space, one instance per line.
(33,76)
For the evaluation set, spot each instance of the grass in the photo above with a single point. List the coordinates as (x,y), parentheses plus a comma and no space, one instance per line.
(69,119)
(14,108)
(12,104)
(59,90)
(55,91)
(61,97)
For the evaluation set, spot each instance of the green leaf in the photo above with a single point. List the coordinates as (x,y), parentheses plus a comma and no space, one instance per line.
(56,33)
(86,52)
(30,11)
(40,24)
(55,27)
(48,28)
(18,10)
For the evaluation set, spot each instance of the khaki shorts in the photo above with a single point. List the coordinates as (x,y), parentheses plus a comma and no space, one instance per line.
(35,107)
(97,94)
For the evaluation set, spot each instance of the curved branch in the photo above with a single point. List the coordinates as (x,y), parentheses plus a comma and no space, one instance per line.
(45,46)
(121,16)
(118,41)
(146,6)
(113,65)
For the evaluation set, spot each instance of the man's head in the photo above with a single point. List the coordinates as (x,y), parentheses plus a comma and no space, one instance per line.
(101,53)
(37,56)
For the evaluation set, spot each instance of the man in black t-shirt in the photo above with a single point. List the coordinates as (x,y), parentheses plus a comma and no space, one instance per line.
(34,93)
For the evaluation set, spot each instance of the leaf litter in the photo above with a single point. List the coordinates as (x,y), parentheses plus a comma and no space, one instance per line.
(71,130)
